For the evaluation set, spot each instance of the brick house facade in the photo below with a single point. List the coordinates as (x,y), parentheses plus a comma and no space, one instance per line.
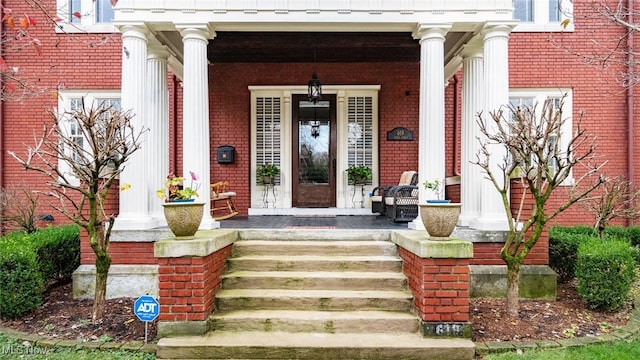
(77,62)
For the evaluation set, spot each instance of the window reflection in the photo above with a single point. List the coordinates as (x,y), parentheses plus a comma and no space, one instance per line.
(314,131)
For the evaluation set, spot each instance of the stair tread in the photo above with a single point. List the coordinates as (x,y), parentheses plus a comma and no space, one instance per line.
(314,340)
(314,315)
(262,293)
(319,257)
(316,274)
(341,243)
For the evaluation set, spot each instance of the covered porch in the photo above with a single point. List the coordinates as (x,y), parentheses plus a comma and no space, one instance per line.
(208,45)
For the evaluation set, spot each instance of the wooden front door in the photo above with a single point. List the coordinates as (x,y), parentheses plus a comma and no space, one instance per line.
(314,152)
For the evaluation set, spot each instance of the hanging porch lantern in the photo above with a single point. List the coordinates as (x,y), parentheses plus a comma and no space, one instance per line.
(315,88)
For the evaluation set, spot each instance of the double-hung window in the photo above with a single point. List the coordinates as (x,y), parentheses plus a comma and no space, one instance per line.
(543,15)
(86,16)
(68,102)
(535,98)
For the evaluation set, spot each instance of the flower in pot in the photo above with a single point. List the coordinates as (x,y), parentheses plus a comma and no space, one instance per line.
(358,175)
(267,173)
(175,191)
(182,213)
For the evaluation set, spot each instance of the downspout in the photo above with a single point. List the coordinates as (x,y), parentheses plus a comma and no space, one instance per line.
(174,110)
(456,125)
(630,106)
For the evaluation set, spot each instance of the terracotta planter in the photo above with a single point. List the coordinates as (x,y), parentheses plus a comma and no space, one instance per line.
(183,218)
(440,219)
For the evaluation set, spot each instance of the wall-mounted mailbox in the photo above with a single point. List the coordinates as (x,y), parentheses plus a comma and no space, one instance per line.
(226,154)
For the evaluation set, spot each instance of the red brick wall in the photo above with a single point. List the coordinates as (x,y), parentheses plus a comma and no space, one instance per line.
(230,106)
(440,287)
(187,285)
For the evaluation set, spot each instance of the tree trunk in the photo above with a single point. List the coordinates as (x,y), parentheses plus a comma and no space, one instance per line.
(513,291)
(103,263)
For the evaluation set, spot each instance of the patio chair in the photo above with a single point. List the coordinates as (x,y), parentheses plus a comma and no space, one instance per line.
(222,206)
(401,201)
(378,193)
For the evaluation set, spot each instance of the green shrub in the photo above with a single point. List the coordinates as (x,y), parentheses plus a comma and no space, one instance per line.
(563,253)
(605,271)
(58,251)
(21,283)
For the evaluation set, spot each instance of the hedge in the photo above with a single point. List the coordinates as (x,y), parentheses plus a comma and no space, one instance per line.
(29,261)
(605,270)
(21,282)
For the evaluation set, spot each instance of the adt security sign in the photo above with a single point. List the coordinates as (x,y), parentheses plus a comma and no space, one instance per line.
(146,308)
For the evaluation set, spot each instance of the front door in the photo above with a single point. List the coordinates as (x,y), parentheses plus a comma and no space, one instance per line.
(314,152)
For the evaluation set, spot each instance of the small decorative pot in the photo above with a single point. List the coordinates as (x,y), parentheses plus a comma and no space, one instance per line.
(439,219)
(183,218)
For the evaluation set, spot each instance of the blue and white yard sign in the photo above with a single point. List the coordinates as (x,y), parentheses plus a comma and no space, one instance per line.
(146,308)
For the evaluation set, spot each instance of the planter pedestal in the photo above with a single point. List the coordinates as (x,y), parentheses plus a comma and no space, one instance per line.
(439,219)
(183,218)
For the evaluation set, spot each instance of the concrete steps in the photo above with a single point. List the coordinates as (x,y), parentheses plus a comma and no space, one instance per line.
(317,346)
(318,297)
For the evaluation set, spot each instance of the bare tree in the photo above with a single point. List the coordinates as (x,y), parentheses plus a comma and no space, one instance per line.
(102,143)
(614,199)
(615,55)
(533,147)
(18,209)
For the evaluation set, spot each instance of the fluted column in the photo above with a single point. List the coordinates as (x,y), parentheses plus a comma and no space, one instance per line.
(496,68)
(134,212)
(195,122)
(158,123)
(472,103)
(431,149)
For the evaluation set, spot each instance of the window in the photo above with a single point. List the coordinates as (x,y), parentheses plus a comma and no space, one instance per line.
(360,125)
(268,120)
(537,97)
(86,15)
(72,100)
(542,15)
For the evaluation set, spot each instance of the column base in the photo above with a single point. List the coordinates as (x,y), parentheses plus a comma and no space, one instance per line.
(489,223)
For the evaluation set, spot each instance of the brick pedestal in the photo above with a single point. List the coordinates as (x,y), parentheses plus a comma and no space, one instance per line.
(189,275)
(438,273)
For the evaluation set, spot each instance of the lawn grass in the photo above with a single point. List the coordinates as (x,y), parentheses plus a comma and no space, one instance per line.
(15,349)
(619,350)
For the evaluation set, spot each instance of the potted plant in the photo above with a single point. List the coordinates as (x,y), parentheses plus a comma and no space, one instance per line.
(182,213)
(436,186)
(358,175)
(267,173)
(439,216)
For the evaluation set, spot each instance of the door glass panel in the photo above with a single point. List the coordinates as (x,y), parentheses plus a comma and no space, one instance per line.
(313,142)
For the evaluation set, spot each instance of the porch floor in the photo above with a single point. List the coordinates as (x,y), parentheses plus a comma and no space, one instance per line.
(311,222)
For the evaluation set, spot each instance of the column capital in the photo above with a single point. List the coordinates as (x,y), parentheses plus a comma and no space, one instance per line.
(158,52)
(134,31)
(199,31)
(426,31)
(497,29)
(474,48)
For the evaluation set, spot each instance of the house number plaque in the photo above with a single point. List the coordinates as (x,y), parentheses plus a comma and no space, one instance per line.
(400,134)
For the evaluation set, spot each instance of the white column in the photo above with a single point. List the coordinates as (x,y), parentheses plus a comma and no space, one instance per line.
(158,123)
(496,73)
(431,150)
(195,122)
(472,103)
(134,212)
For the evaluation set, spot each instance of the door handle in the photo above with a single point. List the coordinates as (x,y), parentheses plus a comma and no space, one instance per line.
(334,164)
